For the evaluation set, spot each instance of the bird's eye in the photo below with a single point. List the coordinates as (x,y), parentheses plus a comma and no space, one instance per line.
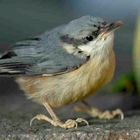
(89,38)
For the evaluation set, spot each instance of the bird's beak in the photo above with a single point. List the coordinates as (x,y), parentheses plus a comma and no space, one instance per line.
(114,25)
(111,27)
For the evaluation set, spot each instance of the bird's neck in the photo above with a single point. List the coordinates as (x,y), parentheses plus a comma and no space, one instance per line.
(103,48)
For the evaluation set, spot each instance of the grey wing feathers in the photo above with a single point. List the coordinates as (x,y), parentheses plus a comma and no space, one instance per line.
(37,56)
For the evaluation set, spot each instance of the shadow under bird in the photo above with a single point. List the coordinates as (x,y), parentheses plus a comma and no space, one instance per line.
(65,65)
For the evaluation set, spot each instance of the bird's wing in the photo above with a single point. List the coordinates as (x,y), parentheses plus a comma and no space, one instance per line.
(37,56)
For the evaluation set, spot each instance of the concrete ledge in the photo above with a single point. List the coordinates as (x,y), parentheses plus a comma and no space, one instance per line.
(16,126)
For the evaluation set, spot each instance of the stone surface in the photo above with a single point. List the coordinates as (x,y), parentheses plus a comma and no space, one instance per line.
(15,125)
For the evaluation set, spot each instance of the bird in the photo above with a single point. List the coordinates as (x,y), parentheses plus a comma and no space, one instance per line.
(65,65)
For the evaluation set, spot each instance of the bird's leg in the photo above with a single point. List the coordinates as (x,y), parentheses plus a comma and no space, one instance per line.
(55,121)
(94,112)
(51,112)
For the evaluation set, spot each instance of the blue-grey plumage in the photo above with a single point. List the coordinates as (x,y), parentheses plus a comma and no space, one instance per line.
(44,54)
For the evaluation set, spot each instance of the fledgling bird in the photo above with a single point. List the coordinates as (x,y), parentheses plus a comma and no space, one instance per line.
(64,65)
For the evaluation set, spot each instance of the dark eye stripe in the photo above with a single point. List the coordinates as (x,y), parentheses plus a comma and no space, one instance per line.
(95,33)
(76,42)
(73,41)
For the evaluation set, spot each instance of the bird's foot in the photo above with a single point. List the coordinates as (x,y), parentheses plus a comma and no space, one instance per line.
(106,114)
(68,124)
(111,114)
(94,112)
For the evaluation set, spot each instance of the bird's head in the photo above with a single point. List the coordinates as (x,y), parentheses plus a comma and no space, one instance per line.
(88,34)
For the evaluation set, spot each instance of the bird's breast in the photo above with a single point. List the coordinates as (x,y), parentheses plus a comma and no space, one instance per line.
(69,87)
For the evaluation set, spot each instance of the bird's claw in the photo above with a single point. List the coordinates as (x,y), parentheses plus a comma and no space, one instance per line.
(94,112)
(70,123)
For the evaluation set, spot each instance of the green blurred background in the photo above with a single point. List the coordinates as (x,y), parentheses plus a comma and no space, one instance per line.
(20,19)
